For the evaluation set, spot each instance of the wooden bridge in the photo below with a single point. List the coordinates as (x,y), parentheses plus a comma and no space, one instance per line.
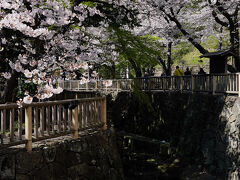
(44,120)
(210,83)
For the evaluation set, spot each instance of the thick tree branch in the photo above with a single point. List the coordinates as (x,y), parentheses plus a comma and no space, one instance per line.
(218,20)
(186,34)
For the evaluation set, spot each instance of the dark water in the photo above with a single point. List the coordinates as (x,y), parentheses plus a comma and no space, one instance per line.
(145,159)
(142,166)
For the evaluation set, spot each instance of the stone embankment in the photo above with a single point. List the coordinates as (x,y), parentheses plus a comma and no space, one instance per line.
(93,156)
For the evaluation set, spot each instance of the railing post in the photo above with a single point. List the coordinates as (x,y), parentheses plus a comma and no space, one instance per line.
(70,85)
(238,74)
(117,85)
(130,84)
(28,128)
(181,83)
(104,114)
(149,82)
(75,122)
(96,84)
(193,83)
(87,85)
(214,83)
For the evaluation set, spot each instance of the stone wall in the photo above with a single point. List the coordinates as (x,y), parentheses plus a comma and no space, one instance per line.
(202,129)
(91,157)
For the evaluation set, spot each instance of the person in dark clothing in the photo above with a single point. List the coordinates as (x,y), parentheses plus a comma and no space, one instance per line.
(187,72)
(187,80)
(202,79)
(201,71)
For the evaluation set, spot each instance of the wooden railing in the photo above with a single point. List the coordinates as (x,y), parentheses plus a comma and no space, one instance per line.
(117,85)
(211,83)
(44,120)
(214,83)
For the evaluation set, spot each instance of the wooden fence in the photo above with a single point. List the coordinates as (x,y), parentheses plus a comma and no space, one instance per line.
(44,120)
(211,83)
(116,85)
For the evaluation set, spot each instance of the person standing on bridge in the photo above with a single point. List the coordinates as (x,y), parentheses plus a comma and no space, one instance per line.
(187,72)
(187,80)
(202,79)
(178,72)
(201,72)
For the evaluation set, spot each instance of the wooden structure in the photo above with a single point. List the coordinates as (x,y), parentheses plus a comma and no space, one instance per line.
(117,85)
(218,61)
(209,83)
(44,120)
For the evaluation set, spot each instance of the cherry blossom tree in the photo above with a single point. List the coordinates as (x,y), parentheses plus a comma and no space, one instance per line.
(198,20)
(44,41)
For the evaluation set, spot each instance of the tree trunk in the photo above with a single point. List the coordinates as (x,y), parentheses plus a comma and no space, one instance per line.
(169,61)
(234,40)
(167,66)
(12,83)
(187,35)
(137,70)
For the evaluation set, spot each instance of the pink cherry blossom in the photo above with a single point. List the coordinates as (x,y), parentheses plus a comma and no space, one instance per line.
(27,73)
(27,99)
(7,75)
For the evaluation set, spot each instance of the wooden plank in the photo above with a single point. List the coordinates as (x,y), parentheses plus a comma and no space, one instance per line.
(104,114)
(48,120)
(28,128)
(80,115)
(90,113)
(54,118)
(59,121)
(42,121)
(36,122)
(69,123)
(3,123)
(12,118)
(99,111)
(84,115)
(87,113)
(20,123)
(95,112)
(64,117)
(75,122)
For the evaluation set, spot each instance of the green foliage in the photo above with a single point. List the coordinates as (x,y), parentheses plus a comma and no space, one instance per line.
(89,3)
(187,54)
(23,86)
(193,58)
(75,26)
(154,38)
(180,51)
(143,50)
(142,98)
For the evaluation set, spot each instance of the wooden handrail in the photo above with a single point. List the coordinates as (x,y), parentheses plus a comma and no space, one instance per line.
(50,119)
